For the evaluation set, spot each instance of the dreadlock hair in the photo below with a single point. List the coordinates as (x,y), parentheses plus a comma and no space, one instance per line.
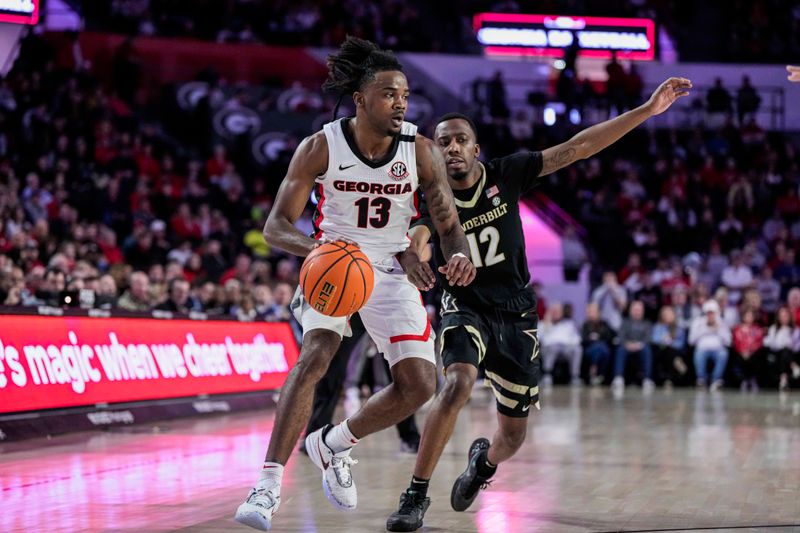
(356,63)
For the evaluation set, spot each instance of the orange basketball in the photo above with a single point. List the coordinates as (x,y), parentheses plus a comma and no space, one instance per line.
(336,279)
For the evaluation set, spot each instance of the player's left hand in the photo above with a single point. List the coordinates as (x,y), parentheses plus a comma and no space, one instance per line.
(794,73)
(667,93)
(458,271)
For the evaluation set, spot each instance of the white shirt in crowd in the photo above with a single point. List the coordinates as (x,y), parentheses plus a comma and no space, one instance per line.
(736,279)
(604,297)
(782,338)
(704,337)
(563,332)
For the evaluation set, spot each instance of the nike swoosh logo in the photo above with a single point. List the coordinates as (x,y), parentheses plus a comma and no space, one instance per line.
(526,407)
(342,167)
(325,464)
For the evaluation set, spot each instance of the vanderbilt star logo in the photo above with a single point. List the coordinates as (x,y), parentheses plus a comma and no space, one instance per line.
(342,167)
(532,334)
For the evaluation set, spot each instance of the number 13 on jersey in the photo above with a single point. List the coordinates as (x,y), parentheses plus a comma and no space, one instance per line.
(492,236)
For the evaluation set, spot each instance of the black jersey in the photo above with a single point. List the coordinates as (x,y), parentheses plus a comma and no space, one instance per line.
(489,215)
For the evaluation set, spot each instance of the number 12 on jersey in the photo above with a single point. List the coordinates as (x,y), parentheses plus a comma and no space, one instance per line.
(491,235)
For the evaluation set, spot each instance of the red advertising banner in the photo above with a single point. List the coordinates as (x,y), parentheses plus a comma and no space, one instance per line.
(48,362)
(19,11)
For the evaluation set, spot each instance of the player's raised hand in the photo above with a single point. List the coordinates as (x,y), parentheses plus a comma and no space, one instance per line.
(667,93)
(794,72)
(459,270)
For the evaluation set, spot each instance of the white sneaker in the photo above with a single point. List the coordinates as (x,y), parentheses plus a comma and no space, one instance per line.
(337,480)
(648,386)
(618,383)
(716,385)
(259,507)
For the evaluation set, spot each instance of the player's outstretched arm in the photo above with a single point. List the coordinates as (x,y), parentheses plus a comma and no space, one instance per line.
(309,161)
(794,72)
(432,172)
(594,139)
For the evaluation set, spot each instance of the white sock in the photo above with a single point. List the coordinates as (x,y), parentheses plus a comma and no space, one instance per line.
(271,473)
(340,438)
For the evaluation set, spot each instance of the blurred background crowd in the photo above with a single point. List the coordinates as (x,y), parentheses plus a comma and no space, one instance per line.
(109,200)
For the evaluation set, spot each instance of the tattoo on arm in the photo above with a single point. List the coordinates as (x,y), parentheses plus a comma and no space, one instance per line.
(442,207)
(558,157)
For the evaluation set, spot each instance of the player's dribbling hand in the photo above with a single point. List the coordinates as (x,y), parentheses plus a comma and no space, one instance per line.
(326,240)
(794,72)
(458,271)
(666,94)
(421,275)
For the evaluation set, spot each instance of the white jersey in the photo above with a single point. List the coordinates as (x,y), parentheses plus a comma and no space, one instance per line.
(371,203)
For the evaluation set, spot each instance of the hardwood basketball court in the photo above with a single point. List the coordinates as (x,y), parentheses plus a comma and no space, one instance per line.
(680,460)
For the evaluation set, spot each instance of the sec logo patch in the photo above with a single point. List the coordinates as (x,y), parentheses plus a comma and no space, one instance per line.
(398,171)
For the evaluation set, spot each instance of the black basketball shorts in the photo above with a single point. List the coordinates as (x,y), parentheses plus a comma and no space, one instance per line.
(504,341)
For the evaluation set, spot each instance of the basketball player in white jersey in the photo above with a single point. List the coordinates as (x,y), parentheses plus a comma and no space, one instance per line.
(366,170)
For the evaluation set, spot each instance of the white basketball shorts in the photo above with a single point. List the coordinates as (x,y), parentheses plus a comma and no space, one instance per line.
(394,316)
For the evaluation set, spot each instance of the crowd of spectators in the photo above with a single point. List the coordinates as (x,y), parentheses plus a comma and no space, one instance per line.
(101,207)
(717,30)
(687,335)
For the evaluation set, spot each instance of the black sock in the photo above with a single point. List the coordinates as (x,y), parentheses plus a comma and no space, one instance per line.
(484,467)
(420,486)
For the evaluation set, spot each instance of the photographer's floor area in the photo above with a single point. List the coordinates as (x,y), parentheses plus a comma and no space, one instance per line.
(675,460)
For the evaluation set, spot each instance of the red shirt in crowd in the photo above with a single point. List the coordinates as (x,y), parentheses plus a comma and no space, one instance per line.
(748,338)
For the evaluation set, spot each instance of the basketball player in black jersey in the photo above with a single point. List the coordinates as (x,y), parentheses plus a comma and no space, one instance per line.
(492,321)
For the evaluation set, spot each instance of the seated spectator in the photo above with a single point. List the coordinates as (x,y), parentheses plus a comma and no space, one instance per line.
(54,284)
(205,299)
(233,295)
(634,339)
(782,343)
(710,337)
(246,310)
(596,338)
(769,290)
(262,296)
(793,303)
(682,308)
(240,271)
(747,100)
(650,295)
(106,297)
(736,277)
(669,343)
(558,336)
(611,299)
(748,341)
(178,300)
(787,272)
(728,312)
(281,311)
(137,297)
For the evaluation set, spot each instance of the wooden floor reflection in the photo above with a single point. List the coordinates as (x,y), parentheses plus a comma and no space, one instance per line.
(680,460)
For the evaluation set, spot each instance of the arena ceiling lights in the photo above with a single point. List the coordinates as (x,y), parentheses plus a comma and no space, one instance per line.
(19,11)
(512,34)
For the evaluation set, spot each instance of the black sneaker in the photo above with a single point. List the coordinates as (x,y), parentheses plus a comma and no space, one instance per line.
(466,487)
(410,514)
